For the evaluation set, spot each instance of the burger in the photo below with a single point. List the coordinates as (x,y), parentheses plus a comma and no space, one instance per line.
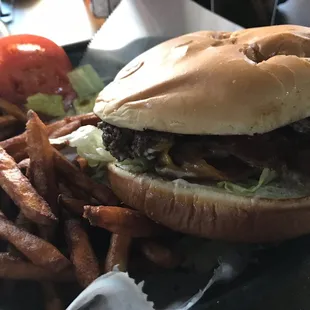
(210,133)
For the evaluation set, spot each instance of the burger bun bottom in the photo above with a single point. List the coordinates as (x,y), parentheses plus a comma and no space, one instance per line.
(209,211)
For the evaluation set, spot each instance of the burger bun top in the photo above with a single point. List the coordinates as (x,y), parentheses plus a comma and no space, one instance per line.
(244,82)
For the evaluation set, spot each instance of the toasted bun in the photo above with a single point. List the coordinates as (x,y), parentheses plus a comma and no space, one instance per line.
(210,212)
(214,83)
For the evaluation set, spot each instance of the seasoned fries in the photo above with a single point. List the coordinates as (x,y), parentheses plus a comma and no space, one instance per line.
(85,119)
(33,247)
(52,198)
(52,301)
(23,223)
(13,110)
(21,191)
(16,146)
(15,268)
(118,253)
(82,255)
(81,163)
(77,192)
(8,120)
(24,164)
(41,169)
(7,132)
(2,215)
(76,206)
(64,190)
(160,254)
(122,221)
(73,175)
(66,129)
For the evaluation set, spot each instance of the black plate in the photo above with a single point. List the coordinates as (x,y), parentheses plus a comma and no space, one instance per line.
(279,280)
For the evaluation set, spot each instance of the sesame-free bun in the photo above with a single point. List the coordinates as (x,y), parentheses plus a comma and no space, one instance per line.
(210,212)
(244,82)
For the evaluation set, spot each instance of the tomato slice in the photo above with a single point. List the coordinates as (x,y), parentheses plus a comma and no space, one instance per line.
(32,64)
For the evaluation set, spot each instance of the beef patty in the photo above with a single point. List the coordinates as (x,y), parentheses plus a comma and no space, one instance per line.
(287,147)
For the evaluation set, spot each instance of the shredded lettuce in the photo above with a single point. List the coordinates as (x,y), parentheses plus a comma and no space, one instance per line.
(265,178)
(88,143)
(85,81)
(48,104)
(137,165)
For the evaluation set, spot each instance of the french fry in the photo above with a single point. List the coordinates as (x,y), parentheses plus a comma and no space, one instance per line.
(118,252)
(65,130)
(51,299)
(160,254)
(18,187)
(12,109)
(24,164)
(76,206)
(37,250)
(72,174)
(7,121)
(23,223)
(15,268)
(8,132)
(7,205)
(81,163)
(82,255)
(15,145)
(64,189)
(55,126)
(139,264)
(41,169)
(77,192)
(19,151)
(85,119)
(123,221)
(70,191)
(19,156)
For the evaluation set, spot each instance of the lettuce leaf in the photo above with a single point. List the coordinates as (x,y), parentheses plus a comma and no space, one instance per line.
(265,178)
(88,143)
(137,165)
(48,104)
(85,81)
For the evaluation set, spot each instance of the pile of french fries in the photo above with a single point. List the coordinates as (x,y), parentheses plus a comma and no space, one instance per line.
(12,119)
(57,201)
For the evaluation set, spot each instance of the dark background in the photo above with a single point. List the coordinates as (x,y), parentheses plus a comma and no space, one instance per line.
(253,13)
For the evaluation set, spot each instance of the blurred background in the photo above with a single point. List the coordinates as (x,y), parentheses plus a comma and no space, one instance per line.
(253,13)
(72,21)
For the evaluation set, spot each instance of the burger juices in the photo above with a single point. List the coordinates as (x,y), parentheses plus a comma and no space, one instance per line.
(210,133)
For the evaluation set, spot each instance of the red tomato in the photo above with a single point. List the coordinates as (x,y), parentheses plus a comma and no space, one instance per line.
(31,64)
